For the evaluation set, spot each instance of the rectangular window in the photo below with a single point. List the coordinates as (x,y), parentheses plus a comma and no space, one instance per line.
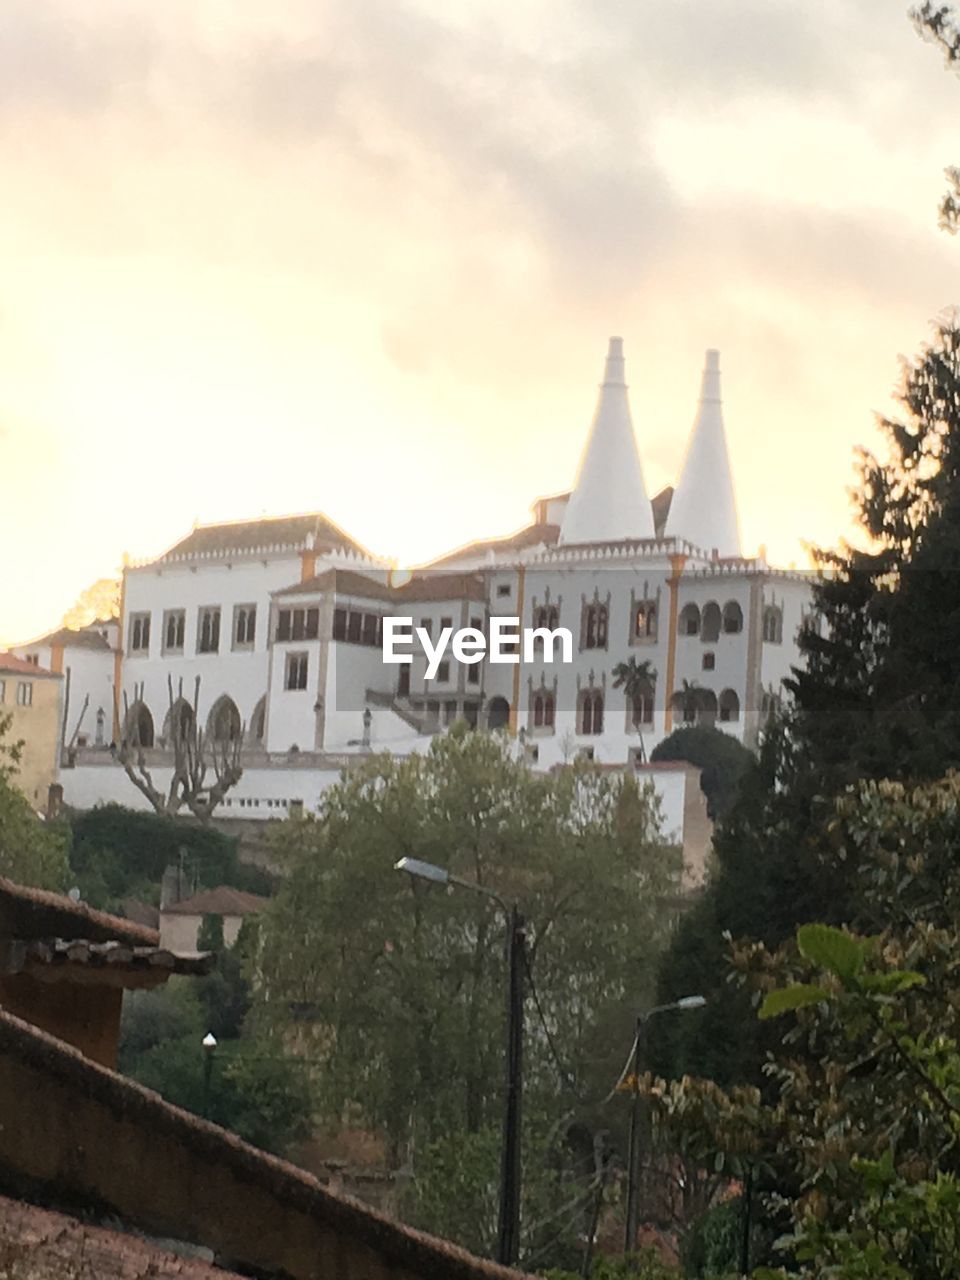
(449,712)
(443,672)
(244,626)
(3,691)
(473,674)
(339,624)
(174,625)
(299,624)
(503,589)
(208,630)
(296,671)
(426,624)
(34,658)
(446,622)
(354,626)
(371,627)
(139,632)
(24,694)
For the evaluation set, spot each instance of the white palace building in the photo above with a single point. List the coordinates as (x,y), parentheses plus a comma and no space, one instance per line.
(281,621)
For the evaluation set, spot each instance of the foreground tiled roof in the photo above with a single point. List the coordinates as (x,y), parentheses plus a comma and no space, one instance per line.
(11,665)
(252,535)
(39,1244)
(85,1171)
(118,960)
(36,913)
(222,901)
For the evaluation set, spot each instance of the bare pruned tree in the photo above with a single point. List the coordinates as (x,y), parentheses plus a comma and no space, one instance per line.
(195,754)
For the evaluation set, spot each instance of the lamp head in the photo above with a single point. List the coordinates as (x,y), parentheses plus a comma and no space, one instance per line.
(423,870)
(209,1041)
(691,1002)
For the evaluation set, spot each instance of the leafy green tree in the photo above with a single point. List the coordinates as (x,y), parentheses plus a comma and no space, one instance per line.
(118,853)
(256,1090)
(722,759)
(396,985)
(32,852)
(876,699)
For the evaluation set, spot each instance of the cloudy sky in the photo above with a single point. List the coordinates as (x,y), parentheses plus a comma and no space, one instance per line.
(363,256)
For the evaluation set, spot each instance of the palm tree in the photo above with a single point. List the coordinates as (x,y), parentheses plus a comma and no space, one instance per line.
(691,700)
(636,679)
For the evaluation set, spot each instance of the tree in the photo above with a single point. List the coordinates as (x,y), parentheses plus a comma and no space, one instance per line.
(938,23)
(32,851)
(723,761)
(195,753)
(637,680)
(875,699)
(97,603)
(119,853)
(396,987)
(692,702)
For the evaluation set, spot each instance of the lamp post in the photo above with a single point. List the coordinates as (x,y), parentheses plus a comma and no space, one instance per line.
(508,1228)
(209,1043)
(633,1156)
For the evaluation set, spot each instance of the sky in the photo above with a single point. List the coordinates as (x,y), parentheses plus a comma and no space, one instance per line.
(364,257)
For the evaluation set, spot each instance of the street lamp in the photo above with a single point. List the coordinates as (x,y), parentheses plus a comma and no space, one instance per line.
(209,1043)
(508,1228)
(633,1157)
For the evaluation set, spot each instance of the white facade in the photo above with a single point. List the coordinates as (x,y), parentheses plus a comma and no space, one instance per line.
(272,628)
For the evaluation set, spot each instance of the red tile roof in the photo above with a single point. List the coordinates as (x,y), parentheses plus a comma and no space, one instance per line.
(38,1244)
(20,667)
(222,901)
(36,913)
(256,535)
(71,638)
(422,587)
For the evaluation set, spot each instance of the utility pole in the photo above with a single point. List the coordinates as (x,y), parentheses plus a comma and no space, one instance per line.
(633,1155)
(508,1235)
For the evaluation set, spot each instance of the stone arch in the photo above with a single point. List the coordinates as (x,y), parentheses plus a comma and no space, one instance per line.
(179,721)
(498,713)
(710,622)
(258,722)
(729,705)
(689,621)
(223,722)
(138,728)
(732,618)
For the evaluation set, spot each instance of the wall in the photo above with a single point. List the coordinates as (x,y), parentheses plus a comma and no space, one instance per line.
(179,933)
(85,1134)
(38,725)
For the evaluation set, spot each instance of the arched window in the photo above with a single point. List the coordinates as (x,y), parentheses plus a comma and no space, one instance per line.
(645,620)
(139,727)
(732,618)
(546,615)
(729,706)
(224,723)
(179,721)
(258,721)
(642,707)
(595,620)
(544,709)
(710,623)
(498,713)
(689,620)
(591,711)
(773,624)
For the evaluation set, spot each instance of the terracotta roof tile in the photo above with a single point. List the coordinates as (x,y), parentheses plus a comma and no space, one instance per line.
(26,912)
(40,1244)
(424,586)
(71,638)
(222,901)
(275,531)
(20,667)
